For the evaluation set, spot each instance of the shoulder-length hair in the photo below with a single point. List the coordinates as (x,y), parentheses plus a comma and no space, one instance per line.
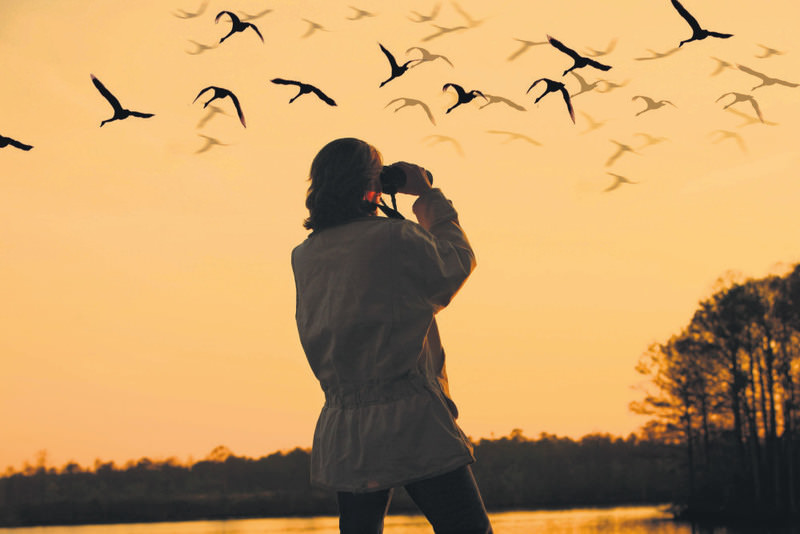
(339,177)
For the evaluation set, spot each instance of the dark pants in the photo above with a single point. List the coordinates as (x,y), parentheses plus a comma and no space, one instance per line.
(451,502)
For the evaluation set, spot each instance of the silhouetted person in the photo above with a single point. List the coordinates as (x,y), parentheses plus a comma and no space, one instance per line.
(658,55)
(619,180)
(524,47)
(305,88)
(464,97)
(8,141)
(598,53)
(412,102)
(237,25)
(426,18)
(765,80)
(443,30)
(494,99)
(119,112)
(552,87)
(652,104)
(578,60)
(698,33)
(426,56)
(740,97)
(397,70)
(721,65)
(621,149)
(373,344)
(182,14)
(513,136)
(220,92)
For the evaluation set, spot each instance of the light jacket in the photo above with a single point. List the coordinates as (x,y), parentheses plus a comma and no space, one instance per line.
(367,293)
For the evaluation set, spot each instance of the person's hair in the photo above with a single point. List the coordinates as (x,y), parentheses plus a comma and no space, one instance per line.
(339,177)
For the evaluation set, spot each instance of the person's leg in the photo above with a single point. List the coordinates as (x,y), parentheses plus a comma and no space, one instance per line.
(362,513)
(452,503)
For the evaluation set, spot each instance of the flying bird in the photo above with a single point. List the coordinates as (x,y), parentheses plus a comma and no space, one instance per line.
(552,87)
(598,53)
(621,149)
(513,136)
(721,65)
(698,33)
(472,23)
(442,31)
(5,141)
(610,86)
(313,27)
(200,48)
(652,104)
(183,14)
(770,52)
(237,25)
(427,56)
(650,139)
(412,102)
(727,134)
(464,97)
(220,92)
(749,119)
(494,99)
(585,86)
(305,88)
(436,139)
(593,124)
(359,14)
(765,80)
(739,97)
(578,60)
(618,182)
(210,141)
(212,110)
(524,47)
(246,16)
(426,18)
(397,70)
(657,55)
(119,111)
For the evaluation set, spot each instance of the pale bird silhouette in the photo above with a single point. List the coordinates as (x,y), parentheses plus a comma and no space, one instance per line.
(658,55)
(721,65)
(765,80)
(237,25)
(200,47)
(210,141)
(740,97)
(464,97)
(442,31)
(593,124)
(650,139)
(212,110)
(494,99)
(472,23)
(221,92)
(513,136)
(552,87)
(585,86)
(436,139)
(698,32)
(183,14)
(359,13)
(621,149)
(769,52)
(597,53)
(247,16)
(727,134)
(119,112)
(749,119)
(652,104)
(313,27)
(427,56)
(405,102)
(525,46)
(618,181)
(426,18)
(610,86)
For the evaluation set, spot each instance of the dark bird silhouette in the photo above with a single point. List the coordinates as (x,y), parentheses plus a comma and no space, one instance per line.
(119,111)
(585,86)
(472,23)
(305,89)
(513,136)
(765,80)
(237,25)
(749,119)
(721,65)
(770,52)
(183,14)
(598,53)
(524,47)
(494,99)
(436,139)
(442,31)
(426,56)
(621,149)
(5,141)
(426,18)
(593,124)
(652,104)
(464,97)
(210,141)
(312,28)
(739,97)
(397,70)
(552,87)
(359,14)
(220,92)
(657,55)
(698,33)
(727,134)
(578,60)
(412,102)
(244,17)
(619,180)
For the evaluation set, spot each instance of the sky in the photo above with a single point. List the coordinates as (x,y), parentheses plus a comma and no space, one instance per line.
(147,299)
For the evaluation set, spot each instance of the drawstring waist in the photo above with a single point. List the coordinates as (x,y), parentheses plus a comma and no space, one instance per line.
(375,392)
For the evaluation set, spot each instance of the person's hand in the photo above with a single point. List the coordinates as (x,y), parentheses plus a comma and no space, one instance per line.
(417,181)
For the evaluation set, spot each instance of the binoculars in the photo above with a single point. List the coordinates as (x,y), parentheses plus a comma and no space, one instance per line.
(393,178)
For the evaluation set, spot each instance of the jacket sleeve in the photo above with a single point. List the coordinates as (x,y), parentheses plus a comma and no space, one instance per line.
(436,252)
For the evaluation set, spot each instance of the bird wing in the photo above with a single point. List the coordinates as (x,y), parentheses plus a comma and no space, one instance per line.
(238,107)
(479,93)
(598,65)
(458,88)
(107,94)
(723,96)
(234,18)
(255,28)
(534,83)
(565,94)
(748,70)
(757,109)
(281,81)
(390,57)
(140,114)
(567,50)
(21,146)
(427,111)
(650,101)
(508,102)
(720,35)
(686,15)
(325,98)
(201,92)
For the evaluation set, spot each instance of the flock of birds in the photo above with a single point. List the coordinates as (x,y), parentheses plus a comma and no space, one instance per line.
(242,22)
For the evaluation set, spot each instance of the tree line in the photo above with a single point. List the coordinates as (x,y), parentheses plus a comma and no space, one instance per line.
(514,472)
(726,389)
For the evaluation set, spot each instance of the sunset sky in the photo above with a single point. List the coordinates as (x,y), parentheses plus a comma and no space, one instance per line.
(146,294)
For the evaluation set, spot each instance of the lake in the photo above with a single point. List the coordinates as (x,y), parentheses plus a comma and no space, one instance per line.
(622,520)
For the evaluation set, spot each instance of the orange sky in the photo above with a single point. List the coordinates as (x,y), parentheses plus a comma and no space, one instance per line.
(147,298)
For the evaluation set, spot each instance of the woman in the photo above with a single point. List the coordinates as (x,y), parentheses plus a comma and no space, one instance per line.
(368,288)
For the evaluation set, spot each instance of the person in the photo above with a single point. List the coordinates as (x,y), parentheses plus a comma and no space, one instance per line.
(368,288)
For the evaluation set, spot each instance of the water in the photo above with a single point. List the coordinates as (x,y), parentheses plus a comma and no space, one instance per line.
(624,520)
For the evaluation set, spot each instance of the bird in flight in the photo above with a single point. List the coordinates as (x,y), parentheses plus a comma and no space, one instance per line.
(119,111)
(426,56)
(739,97)
(652,104)
(237,25)
(182,14)
(552,87)
(246,16)
(464,97)
(650,139)
(212,110)
(524,47)
(770,52)
(593,124)
(472,23)
(305,88)
(749,119)
(397,70)
(359,14)
(426,18)
(585,86)
(200,48)
(513,136)
(210,141)
(578,60)
(494,99)
(436,139)
(598,53)
(721,65)
(412,102)
(765,80)
(610,86)
(698,33)
(621,149)
(5,141)
(657,55)
(727,134)
(442,31)
(220,92)
(619,180)
(312,28)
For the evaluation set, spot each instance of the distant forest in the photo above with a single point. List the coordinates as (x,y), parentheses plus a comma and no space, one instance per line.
(513,472)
